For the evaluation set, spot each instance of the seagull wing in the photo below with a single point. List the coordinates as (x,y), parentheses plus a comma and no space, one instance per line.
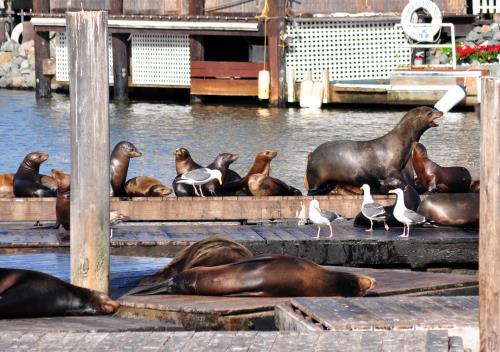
(372,210)
(330,215)
(414,217)
(198,175)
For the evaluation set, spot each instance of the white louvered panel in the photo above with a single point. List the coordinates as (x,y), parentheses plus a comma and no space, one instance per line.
(62,69)
(160,59)
(357,50)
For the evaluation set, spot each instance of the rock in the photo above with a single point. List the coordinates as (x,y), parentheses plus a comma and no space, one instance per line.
(5,82)
(485,28)
(496,36)
(495,28)
(24,65)
(472,36)
(9,46)
(15,71)
(477,29)
(487,35)
(18,60)
(18,82)
(5,57)
(27,45)
(31,57)
(4,70)
(30,80)
(22,52)
(443,59)
(26,71)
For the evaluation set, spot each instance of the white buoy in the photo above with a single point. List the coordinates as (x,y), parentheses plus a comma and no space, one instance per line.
(316,96)
(290,84)
(264,80)
(451,98)
(306,87)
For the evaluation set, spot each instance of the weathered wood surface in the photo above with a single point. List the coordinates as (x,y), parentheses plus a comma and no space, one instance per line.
(225,69)
(120,57)
(42,52)
(89,113)
(489,261)
(350,246)
(187,208)
(188,341)
(229,87)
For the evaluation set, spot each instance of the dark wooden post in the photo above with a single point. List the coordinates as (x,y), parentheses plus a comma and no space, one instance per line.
(120,57)
(42,52)
(489,238)
(196,49)
(89,112)
(275,25)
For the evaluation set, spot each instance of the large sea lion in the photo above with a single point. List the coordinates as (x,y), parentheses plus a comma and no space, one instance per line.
(118,166)
(271,276)
(32,294)
(146,186)
(451,209)
(263,186)
(63,198)
(210,251)
(432,177)
(7,185)
(27,180)
(377,162)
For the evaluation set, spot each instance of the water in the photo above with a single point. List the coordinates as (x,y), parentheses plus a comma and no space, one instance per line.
(157,129)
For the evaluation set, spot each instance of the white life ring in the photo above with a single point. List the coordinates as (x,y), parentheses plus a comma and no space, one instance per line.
(421,33)
(16,32)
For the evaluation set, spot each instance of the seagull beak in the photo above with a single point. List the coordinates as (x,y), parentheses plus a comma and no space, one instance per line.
(392,191)
(220,181)
(318,209)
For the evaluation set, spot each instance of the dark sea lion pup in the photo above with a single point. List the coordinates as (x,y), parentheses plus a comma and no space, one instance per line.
(63,198)
(118,166)
(221,163)
(211,251)
(32,294)
(27,181)
(146,186)
(267,276)
(183,163)
(432,177)
(377,162)
(263,186)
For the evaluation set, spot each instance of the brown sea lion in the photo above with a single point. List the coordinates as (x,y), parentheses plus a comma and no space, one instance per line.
(27,180)
(261,186)
(184,162)
(475,186)
(210,251)
(146,186)
(432,177)
(118,166)
(266,276)
(63,198)
(451,209)
(345,190)
(32,294)
(377,162)
(7,185)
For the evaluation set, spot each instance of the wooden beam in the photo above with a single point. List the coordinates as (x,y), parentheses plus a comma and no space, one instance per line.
(489,241)
(225,69)
(229,87)
(275,25)
(42,52)
(120,57)
(89,114)
(196,42)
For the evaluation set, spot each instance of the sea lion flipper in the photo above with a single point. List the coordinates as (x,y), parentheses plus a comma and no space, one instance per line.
(161,287)
(8,282)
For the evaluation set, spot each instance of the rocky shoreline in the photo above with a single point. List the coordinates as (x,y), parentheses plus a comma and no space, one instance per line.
(17,65)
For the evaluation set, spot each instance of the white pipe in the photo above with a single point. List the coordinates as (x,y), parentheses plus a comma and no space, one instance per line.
(132,24)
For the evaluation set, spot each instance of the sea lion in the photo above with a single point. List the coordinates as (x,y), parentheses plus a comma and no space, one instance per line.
(475,186)
(261,185)
(266,276)
(32,294)
(210,251)
(451,209)
(27,180)
(146,186)
(118,166)
(261,165)
(221,163)
(432,177)
(183,163)
(63,198)
(411,199)
(377,162)
(7,185)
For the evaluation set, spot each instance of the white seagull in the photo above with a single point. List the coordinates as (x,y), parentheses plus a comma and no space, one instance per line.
(199,177)
(371,210)
(301,214)
(404,215)
(319,217)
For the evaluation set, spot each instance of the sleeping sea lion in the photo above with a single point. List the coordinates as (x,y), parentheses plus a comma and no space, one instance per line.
(27,180)
(118,166)
(146,186)
(377,162)
(261,185)
(451,209)
(210,251)
(266,276)
(32,294)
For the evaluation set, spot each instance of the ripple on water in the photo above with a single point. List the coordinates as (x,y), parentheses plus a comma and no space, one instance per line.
(207,130)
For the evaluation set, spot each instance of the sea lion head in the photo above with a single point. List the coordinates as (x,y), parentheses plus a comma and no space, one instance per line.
(268,154)
(35,158)
(225,159)
(365,283)
(103,304)
(421,118)
(181,154)
(63,179)
(160,191)
(127,149)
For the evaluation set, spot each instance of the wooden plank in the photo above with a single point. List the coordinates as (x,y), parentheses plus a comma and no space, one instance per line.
(225,69)
(275,25)
(489,243)
(229,87)
(120,51)
(42,53)
(89,113)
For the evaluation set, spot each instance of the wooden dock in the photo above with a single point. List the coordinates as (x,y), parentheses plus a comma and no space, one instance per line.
(350,246)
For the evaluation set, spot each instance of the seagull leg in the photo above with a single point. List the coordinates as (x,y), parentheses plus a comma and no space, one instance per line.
(196,191)
(201,192)
(331,231)
(371,226)
(386,226)
(317,235)
(404,231)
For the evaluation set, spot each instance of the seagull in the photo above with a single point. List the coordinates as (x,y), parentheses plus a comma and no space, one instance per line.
(404,215)
(319,217)
(301,214)
(371,210)
(199,177)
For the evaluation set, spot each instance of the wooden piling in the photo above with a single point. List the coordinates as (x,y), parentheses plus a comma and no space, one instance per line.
(275,26)
(196,47)
(89,112)
(42,52)
(120,57)
(489,241)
